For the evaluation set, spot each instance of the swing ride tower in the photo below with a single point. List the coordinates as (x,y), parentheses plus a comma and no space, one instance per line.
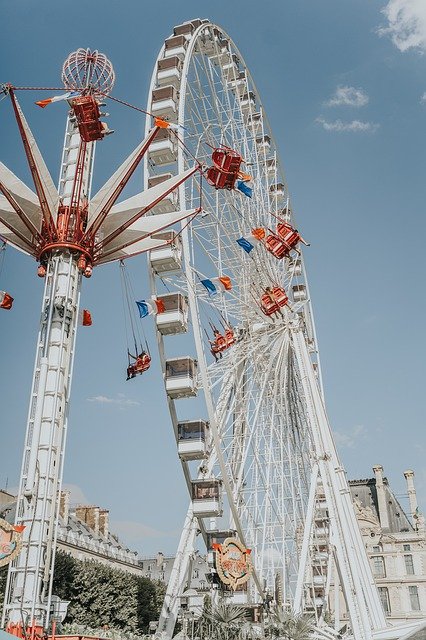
(68,233)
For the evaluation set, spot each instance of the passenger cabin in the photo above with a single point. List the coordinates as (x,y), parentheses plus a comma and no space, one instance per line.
(231,67)
(86,111)
(285,214)
(174,318)
(181,378)
(295,266)
(169,71)
(271,166)
(165,103)
(272,301)
(277,189)
(263,144)
(192,440)
(238,83)
(221,55)
(248,102)
(299,293)
(224,172)
(168,258)
(217,537)
(163,149)
(175,46)
(167,204)
(187,28)
(207,498)
(254,121)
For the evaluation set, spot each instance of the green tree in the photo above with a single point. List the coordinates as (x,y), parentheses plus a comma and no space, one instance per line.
(287,625)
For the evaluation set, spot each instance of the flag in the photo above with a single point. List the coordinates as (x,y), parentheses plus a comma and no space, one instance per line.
(145,309)
(224,282)
(6,300)
(86,318)
(245,177)
(245,244)
(214,285)
(208,284)
(244,188)
(159,304)
(65,96)
(259,233)
(164,124)
(19,528)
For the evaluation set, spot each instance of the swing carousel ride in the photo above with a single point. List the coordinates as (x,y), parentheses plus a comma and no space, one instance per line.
(268,494)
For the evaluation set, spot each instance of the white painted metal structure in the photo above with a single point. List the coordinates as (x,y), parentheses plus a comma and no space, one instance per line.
(109,231)
(270,443)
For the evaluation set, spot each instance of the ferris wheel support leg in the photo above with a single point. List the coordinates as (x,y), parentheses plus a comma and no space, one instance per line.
(361,596)
(28,595)
(178,577)
(304,555)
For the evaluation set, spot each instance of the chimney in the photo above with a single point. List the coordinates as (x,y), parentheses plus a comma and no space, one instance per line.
(381,497)
(90,516)
(160,559)
(64,505)
(412,497)
(104,522)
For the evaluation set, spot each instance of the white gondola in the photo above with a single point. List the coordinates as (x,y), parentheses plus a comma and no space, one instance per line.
(285,214)
(277,189)
(295,266)
(169,71)
(230,67)
(238,83)
(169,203)
(254,121)
(263,144)
(168,258)
(174,318)
(248,102)
(319,580)
(163,149)
(271,166)
(181,378)
(187,28)
(221,55)
(165,103)
(175,46)
(299,293)
(192,440)
(207,498)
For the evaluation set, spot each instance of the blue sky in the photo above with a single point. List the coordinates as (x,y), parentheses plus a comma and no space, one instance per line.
(344,86)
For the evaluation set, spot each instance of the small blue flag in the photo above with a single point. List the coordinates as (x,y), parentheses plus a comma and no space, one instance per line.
(208,284)
(143,307)
(241,186)
(245,244)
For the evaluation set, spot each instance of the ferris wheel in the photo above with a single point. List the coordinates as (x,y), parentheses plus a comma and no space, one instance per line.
(240,365)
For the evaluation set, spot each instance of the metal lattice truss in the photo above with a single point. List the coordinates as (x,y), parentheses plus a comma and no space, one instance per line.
(270,443)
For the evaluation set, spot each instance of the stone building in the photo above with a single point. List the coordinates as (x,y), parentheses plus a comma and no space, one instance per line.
(84,533)
(396,544)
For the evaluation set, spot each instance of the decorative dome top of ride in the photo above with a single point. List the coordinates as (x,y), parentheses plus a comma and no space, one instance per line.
(88,72)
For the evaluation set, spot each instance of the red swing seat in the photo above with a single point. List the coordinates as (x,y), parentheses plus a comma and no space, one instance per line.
(226,165)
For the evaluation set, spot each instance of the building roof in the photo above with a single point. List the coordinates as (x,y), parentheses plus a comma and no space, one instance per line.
(365,491)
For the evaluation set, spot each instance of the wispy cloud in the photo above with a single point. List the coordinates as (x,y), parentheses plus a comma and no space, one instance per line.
(423,98)
(121,400)
(348,96)
(406,24)
(349,438)
(354,126)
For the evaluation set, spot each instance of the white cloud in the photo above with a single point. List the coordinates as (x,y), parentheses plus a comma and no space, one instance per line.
(423,98)
(120,400)
(353,126)
(350,438)
(406,24)
(348,96)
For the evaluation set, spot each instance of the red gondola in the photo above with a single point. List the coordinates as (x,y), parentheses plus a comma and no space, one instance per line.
(141,364)
(86,110)
(277,247)
(290,236)
(229,337)
(272,300)
(226,165)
